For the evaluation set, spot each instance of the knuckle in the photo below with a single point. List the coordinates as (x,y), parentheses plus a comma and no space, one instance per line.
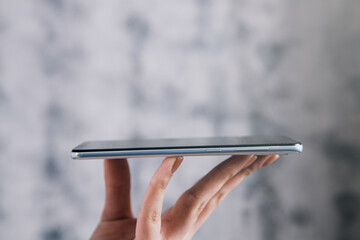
(150,216)
(258,166)
(223,172)
(201,206)
(159,184)
(190,197)
(247,171)
(154,216)
(220,198)
(219,169)
(162,185)
(192,201)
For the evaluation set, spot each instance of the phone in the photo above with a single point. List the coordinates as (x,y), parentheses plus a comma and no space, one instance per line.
(257,145)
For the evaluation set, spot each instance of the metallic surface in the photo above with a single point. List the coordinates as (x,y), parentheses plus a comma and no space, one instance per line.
(265,150)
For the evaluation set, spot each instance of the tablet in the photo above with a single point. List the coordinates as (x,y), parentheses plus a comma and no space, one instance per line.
(258,145)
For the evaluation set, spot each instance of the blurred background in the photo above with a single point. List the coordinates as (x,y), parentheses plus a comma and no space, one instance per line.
(81,70)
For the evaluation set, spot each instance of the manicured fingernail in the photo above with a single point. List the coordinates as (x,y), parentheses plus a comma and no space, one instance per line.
(177,163)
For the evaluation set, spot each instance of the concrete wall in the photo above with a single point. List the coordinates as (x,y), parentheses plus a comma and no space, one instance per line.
(81,70)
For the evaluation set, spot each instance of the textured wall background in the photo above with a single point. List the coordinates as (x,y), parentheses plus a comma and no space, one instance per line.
(79,70)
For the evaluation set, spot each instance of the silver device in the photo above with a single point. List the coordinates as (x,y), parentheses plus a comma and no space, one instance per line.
(257,145)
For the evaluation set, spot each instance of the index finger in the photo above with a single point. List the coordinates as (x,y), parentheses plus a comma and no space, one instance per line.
(149,219)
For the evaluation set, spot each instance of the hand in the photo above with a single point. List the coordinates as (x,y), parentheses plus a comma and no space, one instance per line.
(190,211)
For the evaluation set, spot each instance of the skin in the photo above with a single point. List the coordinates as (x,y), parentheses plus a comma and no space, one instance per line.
(186,216)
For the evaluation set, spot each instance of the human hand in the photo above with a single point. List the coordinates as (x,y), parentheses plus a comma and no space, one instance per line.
(189,212)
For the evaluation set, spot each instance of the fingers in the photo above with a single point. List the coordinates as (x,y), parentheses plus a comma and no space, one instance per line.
(149,219)
(192,202)
(231,184)
(117,187)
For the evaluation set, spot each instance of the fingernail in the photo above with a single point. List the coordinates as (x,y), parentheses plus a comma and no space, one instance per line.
(176,164)
(252,158)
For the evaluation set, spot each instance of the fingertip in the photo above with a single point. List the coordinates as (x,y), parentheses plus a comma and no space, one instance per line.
(272,159)
(115,167)
(176,164)
(115,161)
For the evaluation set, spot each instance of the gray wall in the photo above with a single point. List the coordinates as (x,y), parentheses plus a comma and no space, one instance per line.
(80,70)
